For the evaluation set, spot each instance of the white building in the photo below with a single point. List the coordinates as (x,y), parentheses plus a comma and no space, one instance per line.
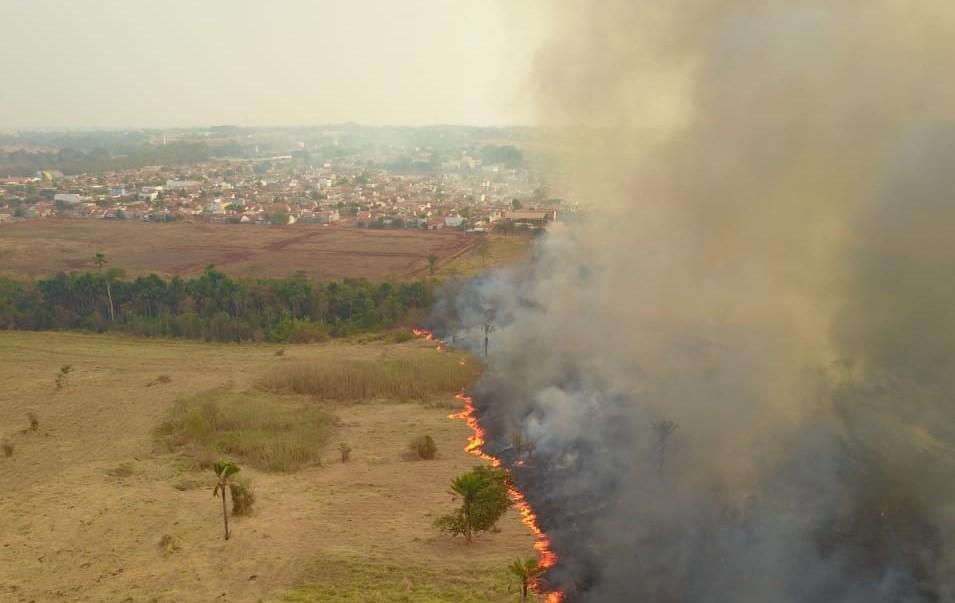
(71,198)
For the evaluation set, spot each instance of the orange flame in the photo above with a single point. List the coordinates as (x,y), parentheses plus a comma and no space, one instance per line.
(429,336)
(546,558)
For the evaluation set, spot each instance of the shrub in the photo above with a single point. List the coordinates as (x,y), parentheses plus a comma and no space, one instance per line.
(424,447)
(7,448)
(266,432)
(63,376)
(169,544)
(243,497)
(345,449)
(34,421)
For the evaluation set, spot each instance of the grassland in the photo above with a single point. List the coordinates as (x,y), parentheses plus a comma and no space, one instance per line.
(34,249)
(93,506)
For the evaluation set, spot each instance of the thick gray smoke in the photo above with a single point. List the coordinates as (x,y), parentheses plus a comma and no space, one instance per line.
(769,263)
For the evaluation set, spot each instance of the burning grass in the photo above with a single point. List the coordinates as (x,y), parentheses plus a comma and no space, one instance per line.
(267,432)
(408,374)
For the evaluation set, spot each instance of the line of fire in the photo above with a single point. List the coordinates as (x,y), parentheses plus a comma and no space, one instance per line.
(546,558)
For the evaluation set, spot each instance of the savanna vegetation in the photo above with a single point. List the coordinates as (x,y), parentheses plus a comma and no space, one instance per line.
(263,431)
(400,375)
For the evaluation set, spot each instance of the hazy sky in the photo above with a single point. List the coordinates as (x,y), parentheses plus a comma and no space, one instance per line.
(105,63)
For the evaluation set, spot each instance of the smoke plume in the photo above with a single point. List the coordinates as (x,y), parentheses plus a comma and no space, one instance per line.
(731,381)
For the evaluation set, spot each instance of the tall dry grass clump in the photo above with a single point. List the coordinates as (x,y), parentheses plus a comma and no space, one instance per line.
(260,430)
(411,376)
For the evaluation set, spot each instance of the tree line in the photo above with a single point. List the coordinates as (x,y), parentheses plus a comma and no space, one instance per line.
(212,306)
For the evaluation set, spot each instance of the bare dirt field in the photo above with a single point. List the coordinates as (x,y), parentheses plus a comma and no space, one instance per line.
(38,248)
(87,496)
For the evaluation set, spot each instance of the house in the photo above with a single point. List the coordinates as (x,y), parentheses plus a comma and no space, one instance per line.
(70,198)
(532,217)
(147,196)
(453,221)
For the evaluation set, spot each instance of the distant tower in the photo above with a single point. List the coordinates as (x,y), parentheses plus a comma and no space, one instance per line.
(163,140)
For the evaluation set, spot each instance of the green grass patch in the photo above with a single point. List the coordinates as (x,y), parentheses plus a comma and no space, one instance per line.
(254,428)
(409,374)
(382,581)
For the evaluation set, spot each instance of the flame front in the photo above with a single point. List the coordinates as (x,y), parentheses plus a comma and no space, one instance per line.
(546,558)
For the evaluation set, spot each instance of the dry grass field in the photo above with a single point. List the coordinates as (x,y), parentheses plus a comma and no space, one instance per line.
(37,248)
(87,497)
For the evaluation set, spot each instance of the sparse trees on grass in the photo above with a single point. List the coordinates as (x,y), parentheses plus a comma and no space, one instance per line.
(484,499)
(224,471)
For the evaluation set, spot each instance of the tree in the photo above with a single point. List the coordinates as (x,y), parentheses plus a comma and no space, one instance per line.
(483,492)
(526,572)
(483,248)
(663,429)
(224,471)
(432,263)
(488,329)
(111,275)
(516,204)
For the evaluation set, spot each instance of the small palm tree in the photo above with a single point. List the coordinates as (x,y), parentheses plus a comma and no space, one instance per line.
(469,487)
(224,471)
(432,263)
(526,572)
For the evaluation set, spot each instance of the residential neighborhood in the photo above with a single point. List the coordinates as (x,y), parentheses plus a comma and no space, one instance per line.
(465,188)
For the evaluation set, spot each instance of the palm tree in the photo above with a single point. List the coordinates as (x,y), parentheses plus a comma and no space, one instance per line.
(432,262)
(224,471)
(111,275)
(469,487)
(526,572)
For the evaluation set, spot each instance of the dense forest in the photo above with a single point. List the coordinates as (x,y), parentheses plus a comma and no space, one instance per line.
(213,306)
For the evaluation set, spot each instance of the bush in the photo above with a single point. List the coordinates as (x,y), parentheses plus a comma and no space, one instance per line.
(424,447)
(266,432)
(7,449)
(169,544)
(345,449)
(243,497)
(63,376)
(34,421)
